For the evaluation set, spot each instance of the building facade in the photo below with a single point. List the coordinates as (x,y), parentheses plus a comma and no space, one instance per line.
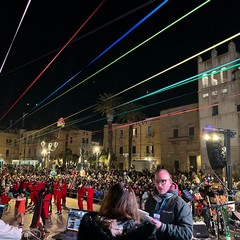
(9,146)
(180,147)
(27,145)
(219,100)
(176,141)
(145,144)
(169,140)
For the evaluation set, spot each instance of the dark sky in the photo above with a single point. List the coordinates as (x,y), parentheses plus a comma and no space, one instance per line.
(49,24)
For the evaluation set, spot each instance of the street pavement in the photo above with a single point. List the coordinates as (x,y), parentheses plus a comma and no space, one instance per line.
(54,224)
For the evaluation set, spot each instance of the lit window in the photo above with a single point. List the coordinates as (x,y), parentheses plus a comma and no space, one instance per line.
(224,90)
(134,132)
(214,80)
(205,80)
(223,75)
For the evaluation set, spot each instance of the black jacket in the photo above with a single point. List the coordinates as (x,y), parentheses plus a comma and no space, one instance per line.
(176,218)
(90,229)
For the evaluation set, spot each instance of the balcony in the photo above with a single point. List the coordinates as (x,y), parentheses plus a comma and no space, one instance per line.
(150,135)
(180,139)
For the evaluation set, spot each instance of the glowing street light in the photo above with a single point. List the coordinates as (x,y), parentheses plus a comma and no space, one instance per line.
(47,148)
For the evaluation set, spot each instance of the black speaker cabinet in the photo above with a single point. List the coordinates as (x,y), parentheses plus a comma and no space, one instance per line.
(200,231)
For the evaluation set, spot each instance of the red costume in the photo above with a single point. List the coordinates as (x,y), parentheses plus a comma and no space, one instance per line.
(90,193)
(55,187)
(64,193)
(59,198)
(46,202)
(81,191)
(37,188)
(32,193)
(25,184)
(4,198)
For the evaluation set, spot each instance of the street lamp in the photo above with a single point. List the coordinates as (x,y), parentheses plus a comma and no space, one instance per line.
(47,148)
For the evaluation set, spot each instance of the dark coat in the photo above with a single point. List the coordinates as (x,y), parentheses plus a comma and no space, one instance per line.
(176,218)
(89,229)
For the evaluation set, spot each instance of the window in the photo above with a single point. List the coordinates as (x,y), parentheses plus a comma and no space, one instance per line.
(150,131)
(85,140)
(205,95)
(134,150)
(7,152)
(214,81)
(134,132)
(214,110)
(121,133)
(71,140)
(238,108)
(175,133)
(214,93)
(121,150)
(205,80)
(223,75)
(191,131)
(224,91)
(149,149)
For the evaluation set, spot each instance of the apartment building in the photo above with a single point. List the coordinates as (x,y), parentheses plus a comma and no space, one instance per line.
(9,145)
(179,133)
(27,145)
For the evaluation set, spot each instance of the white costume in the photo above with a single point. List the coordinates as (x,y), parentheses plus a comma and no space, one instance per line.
(8,232)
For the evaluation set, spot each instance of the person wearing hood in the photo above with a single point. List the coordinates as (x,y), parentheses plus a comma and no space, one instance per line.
(117,219)
(170,213)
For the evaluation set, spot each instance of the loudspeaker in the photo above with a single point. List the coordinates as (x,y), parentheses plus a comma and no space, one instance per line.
(200,231)
(216,155)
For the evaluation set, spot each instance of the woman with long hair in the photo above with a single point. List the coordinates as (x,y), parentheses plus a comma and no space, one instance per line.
(118,218)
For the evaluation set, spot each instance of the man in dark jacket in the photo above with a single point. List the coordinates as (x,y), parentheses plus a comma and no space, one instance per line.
(171,214)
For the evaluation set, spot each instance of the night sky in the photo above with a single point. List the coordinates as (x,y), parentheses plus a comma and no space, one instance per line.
(49,24)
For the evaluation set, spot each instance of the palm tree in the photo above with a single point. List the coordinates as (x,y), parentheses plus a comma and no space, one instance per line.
(106,106)
(66,155)
(129,114)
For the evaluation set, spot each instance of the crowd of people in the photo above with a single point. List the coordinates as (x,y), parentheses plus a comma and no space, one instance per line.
(170,217)
(159,193)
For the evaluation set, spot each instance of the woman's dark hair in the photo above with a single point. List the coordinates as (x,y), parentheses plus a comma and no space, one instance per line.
(120,202)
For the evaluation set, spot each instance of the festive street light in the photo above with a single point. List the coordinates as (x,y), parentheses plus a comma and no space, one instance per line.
(47,148)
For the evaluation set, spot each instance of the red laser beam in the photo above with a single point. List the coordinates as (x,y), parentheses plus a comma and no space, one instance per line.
(41,73)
